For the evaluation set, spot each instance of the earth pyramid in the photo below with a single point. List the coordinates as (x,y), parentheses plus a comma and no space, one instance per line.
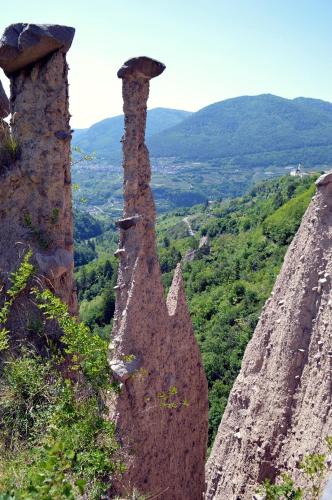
(280,406)
(161,409)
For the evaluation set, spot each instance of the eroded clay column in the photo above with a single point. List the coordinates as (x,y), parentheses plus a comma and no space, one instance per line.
(139,208)
(161,409)
(35,189)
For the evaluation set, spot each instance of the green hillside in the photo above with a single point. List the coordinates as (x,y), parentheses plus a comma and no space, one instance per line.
(253,130)
(104,137)
(227,283)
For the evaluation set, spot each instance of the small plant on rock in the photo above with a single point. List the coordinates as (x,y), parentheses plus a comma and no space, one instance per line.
(9,147)
(315,467)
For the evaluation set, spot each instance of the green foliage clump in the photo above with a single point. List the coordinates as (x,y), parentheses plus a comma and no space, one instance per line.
(28,391)
(95,286)
(85,251)
(88,352)
(9,147)
(285,489)
(19,280)
(55,438)
(281,226)
(86,226)
(61,446)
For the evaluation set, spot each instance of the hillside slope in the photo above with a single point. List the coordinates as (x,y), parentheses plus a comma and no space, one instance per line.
(252,130)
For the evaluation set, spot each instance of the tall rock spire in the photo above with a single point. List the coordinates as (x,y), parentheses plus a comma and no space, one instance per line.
(280,406)
(161,409)
(35,189)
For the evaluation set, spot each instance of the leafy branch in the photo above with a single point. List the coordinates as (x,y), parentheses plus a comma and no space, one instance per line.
(19,280)
(86,349)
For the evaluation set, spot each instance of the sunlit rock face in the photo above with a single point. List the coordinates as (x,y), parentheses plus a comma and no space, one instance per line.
(35,192)
(280,407)
(161,410)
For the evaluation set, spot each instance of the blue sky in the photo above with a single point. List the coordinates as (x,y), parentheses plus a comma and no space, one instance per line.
(213,49)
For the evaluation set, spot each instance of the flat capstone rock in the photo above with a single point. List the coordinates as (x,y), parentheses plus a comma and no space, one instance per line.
(141,67)
(23,44)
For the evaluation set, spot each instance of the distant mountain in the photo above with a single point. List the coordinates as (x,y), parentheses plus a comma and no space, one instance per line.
(104,137)
(252,130)
(217,152)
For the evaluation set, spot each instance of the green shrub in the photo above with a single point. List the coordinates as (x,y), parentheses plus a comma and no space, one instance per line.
(28,392)
(69,450)
(87,351)
(56,441)
(19,280)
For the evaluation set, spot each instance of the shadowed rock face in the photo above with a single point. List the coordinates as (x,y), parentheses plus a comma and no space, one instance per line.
(161,410)
(4,112)
(35,192)
(4,103)
(280,405)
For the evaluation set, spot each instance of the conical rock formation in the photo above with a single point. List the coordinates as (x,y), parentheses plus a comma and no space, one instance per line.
(280,406)
(161,409)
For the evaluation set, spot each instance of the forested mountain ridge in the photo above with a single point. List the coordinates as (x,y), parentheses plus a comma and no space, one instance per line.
(104,137)
(245,131)
(263,129)
(219,151)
